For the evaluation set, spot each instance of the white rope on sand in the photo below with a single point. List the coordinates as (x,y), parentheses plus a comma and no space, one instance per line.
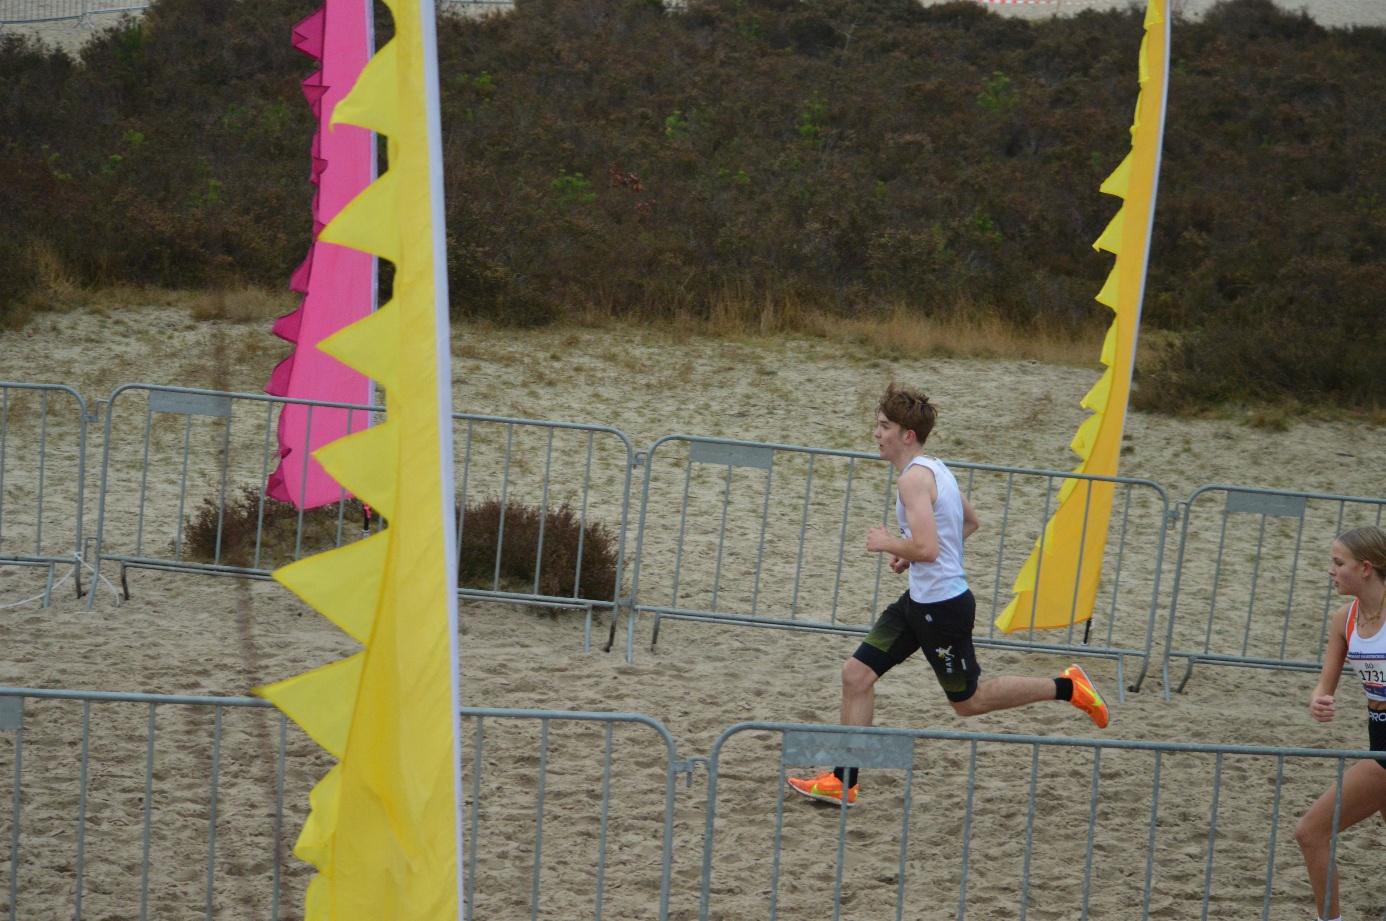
(50,589)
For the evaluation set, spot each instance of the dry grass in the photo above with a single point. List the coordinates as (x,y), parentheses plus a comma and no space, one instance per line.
(59,290)
(244,304)
(902,331)
(49,268)
(127,297)
(1278,417)
(961,333)
(54,287)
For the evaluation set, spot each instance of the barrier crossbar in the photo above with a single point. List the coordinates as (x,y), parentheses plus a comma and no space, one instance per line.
(1259,576)
(43,443)
(218,450)
(770,535)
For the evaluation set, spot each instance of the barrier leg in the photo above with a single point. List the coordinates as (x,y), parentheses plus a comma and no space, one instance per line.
(48,587)
(1188,670)
(611,636)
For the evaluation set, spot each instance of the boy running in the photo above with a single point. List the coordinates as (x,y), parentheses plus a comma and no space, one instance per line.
(937,612)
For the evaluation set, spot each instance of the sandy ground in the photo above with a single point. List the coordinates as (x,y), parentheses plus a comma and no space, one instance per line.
(200,635)
(73,32)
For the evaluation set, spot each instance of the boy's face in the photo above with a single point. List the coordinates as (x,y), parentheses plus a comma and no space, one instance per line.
(891,438)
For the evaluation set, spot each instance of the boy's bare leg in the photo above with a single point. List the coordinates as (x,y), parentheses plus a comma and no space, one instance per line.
(858,693)
(1005,693)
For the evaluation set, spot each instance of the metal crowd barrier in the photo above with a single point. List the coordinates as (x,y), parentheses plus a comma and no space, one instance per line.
(730,532)
(156,806)
(1006,825)
(32,12)
(42,476)
(779,532)
(147,805)
(542,476)
(222,449)
(1261,583)
(19,12)
(153,806)
(212,515)
(564,800)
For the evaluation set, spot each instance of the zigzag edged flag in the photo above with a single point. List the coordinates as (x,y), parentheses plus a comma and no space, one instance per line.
(337,283)
(1058,583)
(384,831)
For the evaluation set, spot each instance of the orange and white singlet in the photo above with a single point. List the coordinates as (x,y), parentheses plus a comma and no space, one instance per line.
(1368,657)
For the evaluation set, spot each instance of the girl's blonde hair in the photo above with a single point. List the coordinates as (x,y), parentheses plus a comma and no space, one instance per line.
(1367,544)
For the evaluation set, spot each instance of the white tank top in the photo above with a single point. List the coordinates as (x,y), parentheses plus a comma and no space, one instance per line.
(1368,657)
(944,578)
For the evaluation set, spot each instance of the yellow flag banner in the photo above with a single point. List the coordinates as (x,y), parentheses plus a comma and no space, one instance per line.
(383,827)
(1058,583)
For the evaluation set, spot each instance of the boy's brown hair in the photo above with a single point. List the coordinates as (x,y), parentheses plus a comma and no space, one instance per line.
(909,409)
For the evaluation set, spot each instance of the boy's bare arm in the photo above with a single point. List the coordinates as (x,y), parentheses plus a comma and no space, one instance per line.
(970,520)
(917,492)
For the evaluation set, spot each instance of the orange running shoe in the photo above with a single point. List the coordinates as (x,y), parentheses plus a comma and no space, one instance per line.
(1085,696)
(826,787)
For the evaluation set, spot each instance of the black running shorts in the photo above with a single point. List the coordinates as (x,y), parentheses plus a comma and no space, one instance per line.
(942,629)
(1376,732)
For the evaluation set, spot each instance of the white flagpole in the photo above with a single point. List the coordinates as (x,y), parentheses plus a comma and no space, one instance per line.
(443,353)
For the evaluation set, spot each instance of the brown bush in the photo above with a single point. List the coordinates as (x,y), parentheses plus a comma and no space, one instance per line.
(562,571)
(226,534)
(248,511)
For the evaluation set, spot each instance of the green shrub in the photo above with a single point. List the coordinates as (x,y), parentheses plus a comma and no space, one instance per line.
(850,155)
(1311,336)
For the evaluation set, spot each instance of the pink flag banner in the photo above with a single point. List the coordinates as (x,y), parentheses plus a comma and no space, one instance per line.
(337,284)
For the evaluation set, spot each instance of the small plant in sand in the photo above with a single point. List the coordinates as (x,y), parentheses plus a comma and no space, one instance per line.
(225,534)
(562,571)
(577,560)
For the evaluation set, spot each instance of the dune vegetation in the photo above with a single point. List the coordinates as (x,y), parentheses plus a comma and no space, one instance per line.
(916,178)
